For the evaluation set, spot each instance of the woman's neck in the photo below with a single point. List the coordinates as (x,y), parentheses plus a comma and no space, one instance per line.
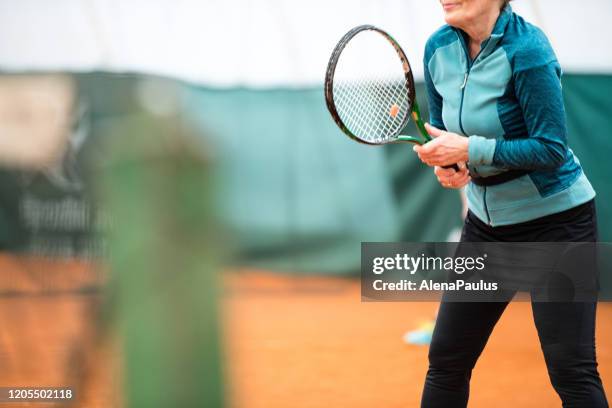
(481,26)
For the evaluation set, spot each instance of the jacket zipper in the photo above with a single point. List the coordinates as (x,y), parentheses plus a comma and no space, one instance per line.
(484,199)
(470,64)
(467,74)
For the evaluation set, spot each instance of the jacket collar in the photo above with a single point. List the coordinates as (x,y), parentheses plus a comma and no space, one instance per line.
(500,26)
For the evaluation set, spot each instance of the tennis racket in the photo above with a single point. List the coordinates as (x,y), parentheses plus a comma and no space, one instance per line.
(369,89)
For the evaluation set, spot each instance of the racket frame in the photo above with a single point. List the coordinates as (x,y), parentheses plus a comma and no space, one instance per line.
(414,107)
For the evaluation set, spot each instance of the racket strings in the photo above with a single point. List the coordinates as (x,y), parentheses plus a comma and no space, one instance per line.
(362,119)
(367,118)
(366,104)
(392,94)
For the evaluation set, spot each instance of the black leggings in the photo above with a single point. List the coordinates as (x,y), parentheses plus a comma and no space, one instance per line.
(566,330)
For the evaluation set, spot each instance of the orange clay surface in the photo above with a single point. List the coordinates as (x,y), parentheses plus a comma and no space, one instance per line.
(290,342)
(48,335)
(310,342)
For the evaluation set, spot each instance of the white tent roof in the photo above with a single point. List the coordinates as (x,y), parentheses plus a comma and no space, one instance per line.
(258,43)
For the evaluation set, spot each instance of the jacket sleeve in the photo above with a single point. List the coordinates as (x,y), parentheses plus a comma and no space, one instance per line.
(538,92)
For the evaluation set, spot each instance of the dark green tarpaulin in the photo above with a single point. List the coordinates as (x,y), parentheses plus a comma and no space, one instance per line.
(298,195)
(302,196)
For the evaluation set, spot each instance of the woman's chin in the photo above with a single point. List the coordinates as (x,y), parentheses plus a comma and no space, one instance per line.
(451,19)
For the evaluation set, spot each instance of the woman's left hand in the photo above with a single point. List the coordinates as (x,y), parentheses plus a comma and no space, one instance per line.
(446,149)
(450,178)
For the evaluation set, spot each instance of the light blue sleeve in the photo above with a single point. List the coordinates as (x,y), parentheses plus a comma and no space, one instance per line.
(481,150)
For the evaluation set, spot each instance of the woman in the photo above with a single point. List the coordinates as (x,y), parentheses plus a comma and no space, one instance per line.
(496,109)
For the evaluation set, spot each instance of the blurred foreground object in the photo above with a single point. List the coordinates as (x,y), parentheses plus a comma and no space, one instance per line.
(108,243)
(163,250)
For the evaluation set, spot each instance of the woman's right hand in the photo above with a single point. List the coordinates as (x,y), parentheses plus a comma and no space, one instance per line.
(450,178)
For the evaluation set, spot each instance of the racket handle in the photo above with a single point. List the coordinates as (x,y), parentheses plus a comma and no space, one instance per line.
(452,166)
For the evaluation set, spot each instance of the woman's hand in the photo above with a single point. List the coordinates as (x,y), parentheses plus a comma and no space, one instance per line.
(450,178)
(446,149)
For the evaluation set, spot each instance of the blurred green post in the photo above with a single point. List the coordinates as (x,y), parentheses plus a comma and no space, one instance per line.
(164,255)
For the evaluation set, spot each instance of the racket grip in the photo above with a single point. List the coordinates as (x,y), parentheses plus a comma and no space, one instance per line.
(452,166)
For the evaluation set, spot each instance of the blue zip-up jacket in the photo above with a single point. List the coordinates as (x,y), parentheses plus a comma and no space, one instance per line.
(508,101)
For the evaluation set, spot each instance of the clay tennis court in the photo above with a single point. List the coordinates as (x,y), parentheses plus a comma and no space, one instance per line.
(310,342)
(289,341)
